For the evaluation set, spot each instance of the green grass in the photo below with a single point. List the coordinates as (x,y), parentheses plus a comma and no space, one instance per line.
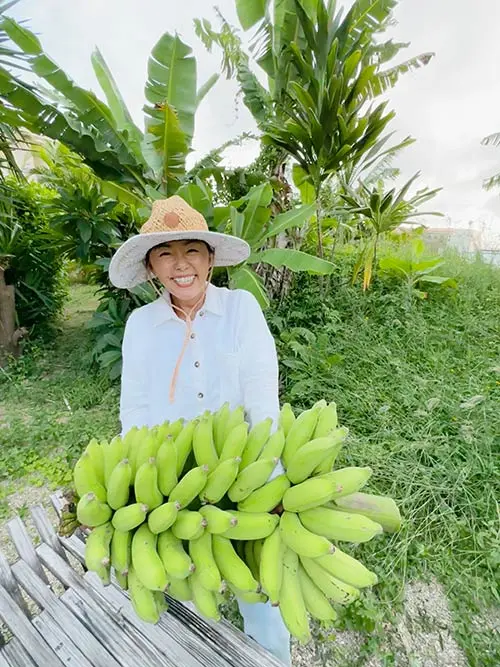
(52,404)
(418,385)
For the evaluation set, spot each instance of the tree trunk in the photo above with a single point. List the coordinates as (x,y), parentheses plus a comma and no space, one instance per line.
(9,341)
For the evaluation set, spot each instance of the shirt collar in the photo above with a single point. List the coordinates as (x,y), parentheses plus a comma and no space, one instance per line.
(165,312)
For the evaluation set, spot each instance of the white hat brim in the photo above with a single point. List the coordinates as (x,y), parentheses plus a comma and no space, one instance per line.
(127,268)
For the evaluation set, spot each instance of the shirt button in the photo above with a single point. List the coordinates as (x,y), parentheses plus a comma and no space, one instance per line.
(193,335)
(202,312)
(196,364)
(200,395)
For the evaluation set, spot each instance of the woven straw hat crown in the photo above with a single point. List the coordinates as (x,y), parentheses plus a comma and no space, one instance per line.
(173,215)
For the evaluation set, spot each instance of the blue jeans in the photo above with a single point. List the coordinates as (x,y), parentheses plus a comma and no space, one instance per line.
(263,623)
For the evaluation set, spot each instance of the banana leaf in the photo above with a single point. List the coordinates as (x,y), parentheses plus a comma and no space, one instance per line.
(245,278)
(295,260)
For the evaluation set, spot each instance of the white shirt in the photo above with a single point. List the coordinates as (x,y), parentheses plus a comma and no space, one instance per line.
(231,356)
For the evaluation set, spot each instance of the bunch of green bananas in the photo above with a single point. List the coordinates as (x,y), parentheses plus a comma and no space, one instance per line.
(188,508)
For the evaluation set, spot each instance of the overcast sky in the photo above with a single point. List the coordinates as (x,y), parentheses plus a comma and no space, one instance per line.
(447,106)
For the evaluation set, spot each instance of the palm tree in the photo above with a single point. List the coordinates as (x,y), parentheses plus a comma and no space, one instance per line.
(493,181)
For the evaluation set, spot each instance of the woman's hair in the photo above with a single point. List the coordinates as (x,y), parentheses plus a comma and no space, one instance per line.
(211,251)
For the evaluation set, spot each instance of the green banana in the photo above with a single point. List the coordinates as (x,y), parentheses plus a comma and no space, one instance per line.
(347,480)
(163,517)
(271,566)
(326,466)
(252,526)
(203,444)
(129,517)
(218,520)
(219,426)
(91,512)
(175,428)
(287,418)
(300,432)
(248,596)
(166,462)
(267,497)
(327,421)
(250,479)
(202,556)
(161,601)
(86,478)
(333,588)
(179,589)
(135,439)
(143,600)
(96,454)
(184,445)
(249,558)
(119,485)
(220,480)
(236,416)
(316,602)
(381,509)
(204,600)
(176,561)
(146,485)
(311,493)
(347,569)
(122,580)
(301,540)
(189,486)
(256,440)
(257,550)
(113,453)
(188,525)
(340,525)
(104,574)
(309,456)
(97,547)
(235,443)
(121,545)
(292,605)
(147,451)
(274,446)
(232,568)
(147,563)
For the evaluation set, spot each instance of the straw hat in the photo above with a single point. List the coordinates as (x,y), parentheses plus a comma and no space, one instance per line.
(171,219)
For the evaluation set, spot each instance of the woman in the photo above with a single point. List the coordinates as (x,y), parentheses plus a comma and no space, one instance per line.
(197,346)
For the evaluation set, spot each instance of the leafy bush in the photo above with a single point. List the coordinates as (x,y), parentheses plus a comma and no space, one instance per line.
(36,265)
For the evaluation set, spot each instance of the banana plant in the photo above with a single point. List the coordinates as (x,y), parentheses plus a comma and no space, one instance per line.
(382,212)
(135,165)
(323,72)
(492,181)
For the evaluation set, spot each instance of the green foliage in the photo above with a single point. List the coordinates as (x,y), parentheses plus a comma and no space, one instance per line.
(35,267)
(419,389)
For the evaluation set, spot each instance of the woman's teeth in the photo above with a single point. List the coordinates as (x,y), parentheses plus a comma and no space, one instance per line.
(184,281)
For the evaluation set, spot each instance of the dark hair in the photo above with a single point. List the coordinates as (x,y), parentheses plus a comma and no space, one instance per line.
(211,251)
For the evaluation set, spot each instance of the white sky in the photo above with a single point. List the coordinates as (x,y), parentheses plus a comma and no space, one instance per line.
(447,106)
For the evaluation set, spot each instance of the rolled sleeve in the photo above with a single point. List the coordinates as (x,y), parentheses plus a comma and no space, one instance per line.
(134,409)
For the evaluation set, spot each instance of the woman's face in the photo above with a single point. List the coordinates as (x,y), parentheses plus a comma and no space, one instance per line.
(182,267)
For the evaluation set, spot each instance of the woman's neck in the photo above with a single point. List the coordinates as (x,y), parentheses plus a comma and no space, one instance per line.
(184,308)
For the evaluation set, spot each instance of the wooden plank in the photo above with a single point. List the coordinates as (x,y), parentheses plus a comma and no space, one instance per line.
(59,641)
(102,619)
(3,660)
(172,649)
(234,646)
(9,583)
(16,655)
(113,634)
(46,530)
(75,546)
(47,600)
(21,628)
(24,546)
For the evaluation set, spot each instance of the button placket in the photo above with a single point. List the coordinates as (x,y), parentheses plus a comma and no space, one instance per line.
(199,383)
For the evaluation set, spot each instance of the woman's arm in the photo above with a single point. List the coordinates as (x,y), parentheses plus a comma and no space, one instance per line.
(133,397)
(259,375)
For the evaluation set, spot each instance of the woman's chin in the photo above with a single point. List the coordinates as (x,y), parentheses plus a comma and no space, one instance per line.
(187,294)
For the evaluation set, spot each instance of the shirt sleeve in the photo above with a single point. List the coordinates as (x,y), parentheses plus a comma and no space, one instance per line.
(259,374)
(134,410)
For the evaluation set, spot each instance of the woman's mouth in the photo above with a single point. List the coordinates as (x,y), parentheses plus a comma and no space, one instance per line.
(184,281)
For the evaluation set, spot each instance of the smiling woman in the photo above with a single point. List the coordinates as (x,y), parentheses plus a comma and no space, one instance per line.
(196,347)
